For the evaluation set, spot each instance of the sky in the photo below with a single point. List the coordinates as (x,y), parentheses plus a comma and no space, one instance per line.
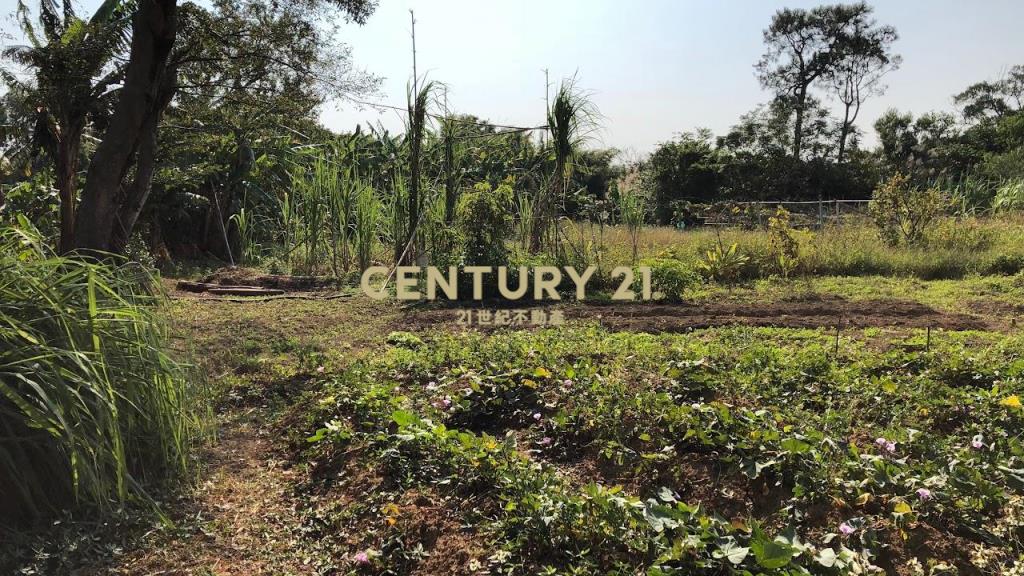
(653,68)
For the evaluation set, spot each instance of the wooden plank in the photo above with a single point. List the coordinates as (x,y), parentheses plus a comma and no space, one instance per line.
(245,291)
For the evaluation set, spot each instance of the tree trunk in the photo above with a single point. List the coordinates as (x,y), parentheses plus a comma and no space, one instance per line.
(153,33)
(138,192)
(414,193)
(450,193)
(844,131)
(798,122)
(145,164)
(67,168)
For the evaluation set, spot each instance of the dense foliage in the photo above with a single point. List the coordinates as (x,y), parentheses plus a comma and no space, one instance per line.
(240,129)
(93,410)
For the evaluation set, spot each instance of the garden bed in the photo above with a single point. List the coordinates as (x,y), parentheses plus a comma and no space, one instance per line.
(801,312)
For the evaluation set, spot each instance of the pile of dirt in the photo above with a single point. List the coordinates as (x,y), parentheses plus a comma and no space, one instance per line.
(803,312)
(239,276)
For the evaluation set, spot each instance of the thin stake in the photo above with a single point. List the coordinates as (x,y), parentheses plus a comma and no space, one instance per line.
(928,339)
(838,328)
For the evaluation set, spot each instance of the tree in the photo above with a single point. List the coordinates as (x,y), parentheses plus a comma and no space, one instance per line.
(572,119)
(897,137)
(856,76)
(419,99)
(109,197)
(688,168)
(250,79)
(121,171)
(804,46)
(73,68)
(993,100)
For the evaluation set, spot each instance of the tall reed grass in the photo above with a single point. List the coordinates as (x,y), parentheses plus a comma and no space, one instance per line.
(93,409)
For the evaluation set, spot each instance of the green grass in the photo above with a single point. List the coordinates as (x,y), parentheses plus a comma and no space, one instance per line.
(962,295)
(954,249)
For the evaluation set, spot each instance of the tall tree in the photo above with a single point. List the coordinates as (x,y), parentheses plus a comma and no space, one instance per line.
(121,171)
(572,119)
(896,134)
(866,56)
(804,46)
(73,69)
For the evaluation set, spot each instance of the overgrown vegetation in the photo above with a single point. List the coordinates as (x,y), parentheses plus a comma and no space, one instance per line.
(580,451)
(94,409)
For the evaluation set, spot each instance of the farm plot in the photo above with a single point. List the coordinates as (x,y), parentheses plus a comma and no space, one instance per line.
(729,450)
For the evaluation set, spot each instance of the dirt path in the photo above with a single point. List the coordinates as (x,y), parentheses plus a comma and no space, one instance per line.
(241,520)
(245,516)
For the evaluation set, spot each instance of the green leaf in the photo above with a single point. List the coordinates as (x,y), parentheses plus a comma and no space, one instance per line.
(737,554)
(752,468)
(771,555)
(826,557)
(795,446)
(404,418)
(731,552)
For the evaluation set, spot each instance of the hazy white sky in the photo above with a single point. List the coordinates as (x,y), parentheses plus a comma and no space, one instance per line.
(654,67)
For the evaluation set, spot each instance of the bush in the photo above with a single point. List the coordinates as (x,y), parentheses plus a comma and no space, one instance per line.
(671,277)
(903,213)
(723,264)
(785,247)
(485,221)
(92,407)
(1010,196)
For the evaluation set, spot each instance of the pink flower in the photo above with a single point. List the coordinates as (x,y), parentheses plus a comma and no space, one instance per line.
(447,402)
(924,494)
(319,369)
(567,382)
(545,441)
(362,557)
(890,447)
(537,416)
(846,529)
(880,442)
(977,442)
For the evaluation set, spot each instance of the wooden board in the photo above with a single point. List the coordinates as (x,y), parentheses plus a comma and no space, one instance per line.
(245,291)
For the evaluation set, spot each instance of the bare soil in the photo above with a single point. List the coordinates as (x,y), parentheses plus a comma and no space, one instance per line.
(803,312)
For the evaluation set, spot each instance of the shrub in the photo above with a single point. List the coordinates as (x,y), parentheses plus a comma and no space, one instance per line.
(671,277)
(485,221)
(903,213)
(1010,196)
(92,407)
(785,246)
(724,264)
(632,204)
